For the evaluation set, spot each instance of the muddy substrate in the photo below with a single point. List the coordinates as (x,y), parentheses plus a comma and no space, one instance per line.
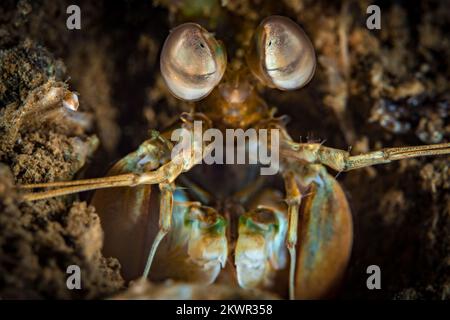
(389,88)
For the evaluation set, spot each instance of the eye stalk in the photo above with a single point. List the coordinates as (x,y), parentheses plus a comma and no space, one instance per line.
(281,55)
(192,62)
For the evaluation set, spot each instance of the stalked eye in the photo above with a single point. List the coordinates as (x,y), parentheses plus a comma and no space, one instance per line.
(281,54)
(192,62)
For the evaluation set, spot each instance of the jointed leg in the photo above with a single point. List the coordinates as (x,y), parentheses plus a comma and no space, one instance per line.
(165,221)
(168,172)
(293,199)
(341,160)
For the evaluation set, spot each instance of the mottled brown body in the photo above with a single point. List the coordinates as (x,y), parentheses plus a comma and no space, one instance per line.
(290,233)
(130,220)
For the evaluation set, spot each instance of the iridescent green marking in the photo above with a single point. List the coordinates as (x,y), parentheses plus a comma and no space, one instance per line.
(217,228)
(253,226)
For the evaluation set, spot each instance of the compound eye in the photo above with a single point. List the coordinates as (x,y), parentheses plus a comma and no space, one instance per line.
(281,54)
(192,62)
